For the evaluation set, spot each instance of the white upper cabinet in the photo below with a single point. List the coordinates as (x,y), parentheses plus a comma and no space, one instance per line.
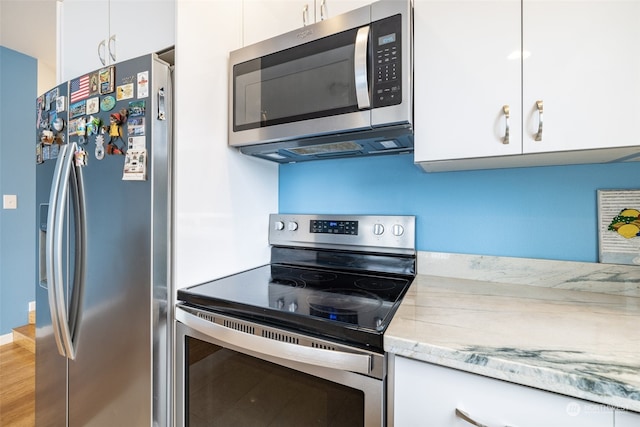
(264,19)
(582,60)
(467,73)
(83,27)
(141,27)
(95,33)
(568,72)
(330,8)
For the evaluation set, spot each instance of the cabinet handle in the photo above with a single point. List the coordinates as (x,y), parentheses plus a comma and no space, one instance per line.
(101,47)
(305,15)
(465,416)
(505,109)
(323,10)
(540,111)
(112,52)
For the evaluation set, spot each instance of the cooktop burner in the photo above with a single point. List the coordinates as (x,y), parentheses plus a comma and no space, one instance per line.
(344,304)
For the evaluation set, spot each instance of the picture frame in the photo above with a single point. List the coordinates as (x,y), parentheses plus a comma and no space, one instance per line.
(619,226)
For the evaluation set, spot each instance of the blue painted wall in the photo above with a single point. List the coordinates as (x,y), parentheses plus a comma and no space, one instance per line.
(542,212)
(18,87)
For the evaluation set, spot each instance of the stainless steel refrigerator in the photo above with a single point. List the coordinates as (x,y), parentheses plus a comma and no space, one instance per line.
(104,203)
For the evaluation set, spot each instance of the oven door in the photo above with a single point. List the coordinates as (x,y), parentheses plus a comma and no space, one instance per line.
(236,373)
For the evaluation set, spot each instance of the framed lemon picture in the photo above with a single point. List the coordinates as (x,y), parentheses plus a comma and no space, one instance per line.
(619,226)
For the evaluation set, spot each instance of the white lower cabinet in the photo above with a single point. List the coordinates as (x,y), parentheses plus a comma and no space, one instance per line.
(627,419)
(428,395)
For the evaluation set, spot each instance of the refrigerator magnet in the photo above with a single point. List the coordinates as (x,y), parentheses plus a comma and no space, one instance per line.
(136,108)
(94,84)
(135,126)
(80,157)
(136,143)
(135,166)
(143,84)
(61,103)
(77,109)
(99,153)
(106,78)
(107,103)
(124,91)
(93,105)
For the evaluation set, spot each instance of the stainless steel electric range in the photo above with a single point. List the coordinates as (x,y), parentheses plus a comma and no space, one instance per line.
(308,327)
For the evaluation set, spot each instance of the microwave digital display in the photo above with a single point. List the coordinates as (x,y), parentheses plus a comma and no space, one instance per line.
(389,38)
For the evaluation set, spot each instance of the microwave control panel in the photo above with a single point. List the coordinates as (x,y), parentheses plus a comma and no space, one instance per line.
(387,61)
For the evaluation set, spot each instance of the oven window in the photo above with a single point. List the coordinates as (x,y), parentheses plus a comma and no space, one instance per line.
(225,388)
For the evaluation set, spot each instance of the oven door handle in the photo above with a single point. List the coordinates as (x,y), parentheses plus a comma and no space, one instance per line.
(360,363)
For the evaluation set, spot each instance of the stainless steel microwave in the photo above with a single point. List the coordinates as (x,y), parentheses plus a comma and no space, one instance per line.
(340,87)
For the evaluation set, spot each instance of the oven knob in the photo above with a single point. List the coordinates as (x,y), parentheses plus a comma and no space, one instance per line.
(293,306)
(280,303)
(292,226)
(398,230)
(378,229)
(279,225)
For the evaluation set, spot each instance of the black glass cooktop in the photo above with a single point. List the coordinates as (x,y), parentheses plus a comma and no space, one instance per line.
(353,308)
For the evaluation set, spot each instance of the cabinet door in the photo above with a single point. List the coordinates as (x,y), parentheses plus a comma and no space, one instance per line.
(627,419)
(268,18)
(82,25)
(583,61)
(330,8)
(467,67)
(428,395)
(141,27)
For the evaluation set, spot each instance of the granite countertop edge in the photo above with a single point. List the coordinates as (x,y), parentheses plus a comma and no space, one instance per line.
(447,308)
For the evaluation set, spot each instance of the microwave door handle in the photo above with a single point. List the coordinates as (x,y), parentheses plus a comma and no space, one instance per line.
(360,68)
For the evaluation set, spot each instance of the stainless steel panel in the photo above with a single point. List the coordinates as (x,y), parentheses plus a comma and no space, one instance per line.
(403,112)
(373,389)
(121,372)
(381,130)
(366,240)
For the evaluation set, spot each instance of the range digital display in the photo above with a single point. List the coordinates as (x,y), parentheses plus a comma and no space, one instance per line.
(333,227)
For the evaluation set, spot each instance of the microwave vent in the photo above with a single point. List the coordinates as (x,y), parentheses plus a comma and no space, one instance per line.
(330,148)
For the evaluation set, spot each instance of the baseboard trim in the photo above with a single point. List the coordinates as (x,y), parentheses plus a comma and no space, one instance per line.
(6,339)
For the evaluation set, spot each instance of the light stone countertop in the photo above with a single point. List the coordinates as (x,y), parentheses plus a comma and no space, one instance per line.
(567,327)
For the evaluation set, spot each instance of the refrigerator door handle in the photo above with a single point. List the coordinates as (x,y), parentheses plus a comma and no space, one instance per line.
(54,248)
(65,174)
(77,292)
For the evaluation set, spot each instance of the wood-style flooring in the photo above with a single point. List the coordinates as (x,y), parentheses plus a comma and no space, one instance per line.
(17,386)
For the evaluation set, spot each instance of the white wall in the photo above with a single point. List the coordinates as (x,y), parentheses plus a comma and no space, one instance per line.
(222,198)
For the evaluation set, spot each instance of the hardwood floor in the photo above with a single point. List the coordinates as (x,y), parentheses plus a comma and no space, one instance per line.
(17,386)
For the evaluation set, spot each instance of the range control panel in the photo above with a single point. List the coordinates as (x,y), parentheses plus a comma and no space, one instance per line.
(368,233)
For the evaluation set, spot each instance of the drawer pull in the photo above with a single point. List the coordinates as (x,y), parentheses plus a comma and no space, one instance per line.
(467,418)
